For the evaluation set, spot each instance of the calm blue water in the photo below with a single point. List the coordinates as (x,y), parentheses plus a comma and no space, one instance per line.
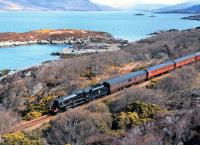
(121,24)
(21,57)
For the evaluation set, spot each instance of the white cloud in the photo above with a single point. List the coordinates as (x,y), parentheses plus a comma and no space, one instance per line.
(10,5)
(170,2)
(123,4)
(127,4)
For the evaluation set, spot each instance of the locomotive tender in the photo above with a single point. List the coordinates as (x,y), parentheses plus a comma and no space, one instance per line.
(119,83)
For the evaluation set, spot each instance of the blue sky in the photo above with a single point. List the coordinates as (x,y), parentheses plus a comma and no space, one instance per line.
(128,4)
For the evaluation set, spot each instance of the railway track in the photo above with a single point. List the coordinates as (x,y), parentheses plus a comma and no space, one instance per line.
(33,124)
(152,72)
(36,123)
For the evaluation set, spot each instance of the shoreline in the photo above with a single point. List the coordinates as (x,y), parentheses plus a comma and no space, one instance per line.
(91,41)
(81,42)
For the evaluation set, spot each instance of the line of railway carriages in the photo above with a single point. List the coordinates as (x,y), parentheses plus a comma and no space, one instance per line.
(119,83)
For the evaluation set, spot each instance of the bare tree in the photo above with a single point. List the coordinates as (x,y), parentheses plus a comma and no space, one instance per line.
(7,120)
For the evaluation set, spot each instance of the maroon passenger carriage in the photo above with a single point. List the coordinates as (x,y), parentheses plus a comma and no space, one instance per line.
(119,83)
(185,60)
(160,69)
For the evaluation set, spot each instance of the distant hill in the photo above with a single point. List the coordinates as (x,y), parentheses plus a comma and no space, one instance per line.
(50,5)
(147,7)
(182,8)
(192,9)
(175,7)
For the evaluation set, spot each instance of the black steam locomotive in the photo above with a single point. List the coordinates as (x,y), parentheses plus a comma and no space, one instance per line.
(119,83)
(79,97)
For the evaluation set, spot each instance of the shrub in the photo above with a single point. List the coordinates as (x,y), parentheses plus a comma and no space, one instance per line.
(7,119)
(179,80)
(37,110)
(134,118)
(76,126)
(32,115)
(79,126)
(136,113)
(125,120)
(153,84)
(44,103)
(97,107)
(132,95)
(73,128)
(19,138)
(144,110)
(121,121)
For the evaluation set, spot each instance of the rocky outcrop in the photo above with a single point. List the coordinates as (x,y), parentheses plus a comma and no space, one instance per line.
(81,41)
(162,31)
(54,37)
(90,48)
(16,43)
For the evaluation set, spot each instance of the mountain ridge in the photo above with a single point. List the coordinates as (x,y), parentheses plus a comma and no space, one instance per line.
(46,5)
(181,8)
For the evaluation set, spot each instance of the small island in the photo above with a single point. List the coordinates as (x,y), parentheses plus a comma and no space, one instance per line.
(139,14)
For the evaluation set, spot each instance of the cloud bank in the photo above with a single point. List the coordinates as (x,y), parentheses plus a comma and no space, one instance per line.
(128,4)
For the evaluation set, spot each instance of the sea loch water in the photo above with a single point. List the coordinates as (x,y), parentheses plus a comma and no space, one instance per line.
(21,57)
(124,25)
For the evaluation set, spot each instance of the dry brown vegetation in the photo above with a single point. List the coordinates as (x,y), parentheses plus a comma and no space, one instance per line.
(7,120)
(47,34)
(179,125)
(166,45)
(179,80)
(56,78)
(61,77)
(169,130)
(78,126)
(178,93)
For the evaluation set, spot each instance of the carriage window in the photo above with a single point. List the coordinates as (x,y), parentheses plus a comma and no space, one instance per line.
(129,80)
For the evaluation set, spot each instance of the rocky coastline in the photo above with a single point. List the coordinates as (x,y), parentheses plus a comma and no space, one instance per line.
(4,72)
(163,31)
(195,17)
(79,39)
(89,48)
